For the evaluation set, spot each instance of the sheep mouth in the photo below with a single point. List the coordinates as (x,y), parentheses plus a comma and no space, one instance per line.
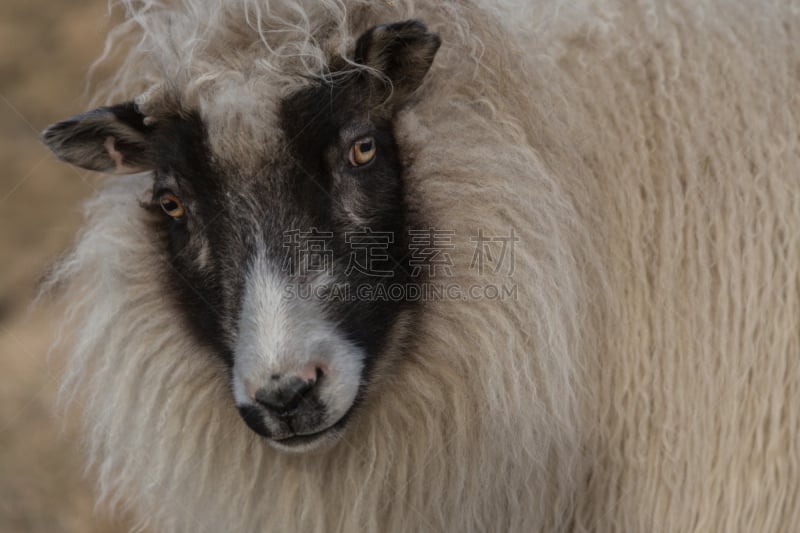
(306,441)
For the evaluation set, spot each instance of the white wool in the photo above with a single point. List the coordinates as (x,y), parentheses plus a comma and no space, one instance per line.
(647,378)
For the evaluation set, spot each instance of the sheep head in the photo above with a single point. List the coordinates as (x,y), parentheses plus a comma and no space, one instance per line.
(273,268)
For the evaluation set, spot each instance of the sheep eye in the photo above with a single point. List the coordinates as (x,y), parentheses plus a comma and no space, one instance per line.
(171,205)
(363,151)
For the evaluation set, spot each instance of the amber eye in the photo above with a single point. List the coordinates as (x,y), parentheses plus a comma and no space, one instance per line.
(171,205)
(363,151)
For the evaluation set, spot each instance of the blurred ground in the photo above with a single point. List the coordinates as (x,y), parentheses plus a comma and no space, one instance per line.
(45,50)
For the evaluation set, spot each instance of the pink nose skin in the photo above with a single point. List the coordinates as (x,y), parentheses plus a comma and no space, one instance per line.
(313,371)
(250,389)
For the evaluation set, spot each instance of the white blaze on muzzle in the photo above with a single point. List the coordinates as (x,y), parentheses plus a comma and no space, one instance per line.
(280,334)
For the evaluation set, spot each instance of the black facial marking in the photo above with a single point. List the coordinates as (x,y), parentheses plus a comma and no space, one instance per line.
(184,168)
(322,122)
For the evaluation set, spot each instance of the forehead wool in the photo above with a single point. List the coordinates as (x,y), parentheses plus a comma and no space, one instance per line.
(234,62)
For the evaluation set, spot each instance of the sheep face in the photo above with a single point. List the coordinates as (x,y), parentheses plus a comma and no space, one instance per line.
(270,267)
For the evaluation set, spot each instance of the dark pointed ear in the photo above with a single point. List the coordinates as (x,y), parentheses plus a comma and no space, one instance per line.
(402,52)
(108,139)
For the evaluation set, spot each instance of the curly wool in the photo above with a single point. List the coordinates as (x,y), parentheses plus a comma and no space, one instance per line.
(647,376)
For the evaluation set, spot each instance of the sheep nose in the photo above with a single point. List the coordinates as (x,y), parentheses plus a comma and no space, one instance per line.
(284,394)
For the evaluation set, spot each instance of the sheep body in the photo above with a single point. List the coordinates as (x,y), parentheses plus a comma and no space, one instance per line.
(646,378)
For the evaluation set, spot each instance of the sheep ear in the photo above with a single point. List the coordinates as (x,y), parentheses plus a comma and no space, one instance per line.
(403,52)
(108,139)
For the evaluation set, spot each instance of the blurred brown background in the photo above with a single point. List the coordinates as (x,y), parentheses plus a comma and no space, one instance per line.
(45,50)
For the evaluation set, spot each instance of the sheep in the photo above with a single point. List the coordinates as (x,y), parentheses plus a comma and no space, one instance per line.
(640,162)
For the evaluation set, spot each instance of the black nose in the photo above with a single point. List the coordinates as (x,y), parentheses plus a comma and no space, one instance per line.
(283,395)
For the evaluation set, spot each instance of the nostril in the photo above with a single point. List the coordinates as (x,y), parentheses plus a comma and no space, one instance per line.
(284,395)
(312,371)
